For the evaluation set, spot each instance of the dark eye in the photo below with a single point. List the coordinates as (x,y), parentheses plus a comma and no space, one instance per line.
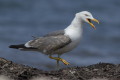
(86,15)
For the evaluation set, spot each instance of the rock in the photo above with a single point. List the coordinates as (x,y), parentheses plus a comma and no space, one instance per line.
(100,71)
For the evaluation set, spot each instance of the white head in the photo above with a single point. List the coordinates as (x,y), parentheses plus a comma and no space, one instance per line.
(86,16)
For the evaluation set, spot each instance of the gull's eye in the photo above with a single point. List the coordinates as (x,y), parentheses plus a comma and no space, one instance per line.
(86,15)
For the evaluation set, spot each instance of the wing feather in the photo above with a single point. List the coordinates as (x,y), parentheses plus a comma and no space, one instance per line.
(50,44)
(55,33)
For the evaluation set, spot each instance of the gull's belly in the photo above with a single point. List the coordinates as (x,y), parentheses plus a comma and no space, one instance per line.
(68,47)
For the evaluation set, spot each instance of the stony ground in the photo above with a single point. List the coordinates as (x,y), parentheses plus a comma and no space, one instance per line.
(101,71)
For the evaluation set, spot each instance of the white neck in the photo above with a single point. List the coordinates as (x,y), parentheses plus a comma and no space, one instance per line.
(74,30)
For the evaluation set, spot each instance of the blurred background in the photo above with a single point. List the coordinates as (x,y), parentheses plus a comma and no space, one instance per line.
(22,19)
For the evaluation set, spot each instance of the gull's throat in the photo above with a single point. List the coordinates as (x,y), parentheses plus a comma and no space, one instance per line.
(74,30)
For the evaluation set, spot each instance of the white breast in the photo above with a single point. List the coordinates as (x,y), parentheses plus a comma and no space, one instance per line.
(75,34)
(74,31)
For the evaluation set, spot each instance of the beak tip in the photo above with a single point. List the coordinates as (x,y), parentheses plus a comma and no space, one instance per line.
(94,28)
(98,22)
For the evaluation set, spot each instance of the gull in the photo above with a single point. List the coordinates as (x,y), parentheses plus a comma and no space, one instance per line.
(61,41)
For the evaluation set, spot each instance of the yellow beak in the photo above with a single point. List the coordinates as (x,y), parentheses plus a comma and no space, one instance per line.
(92,23)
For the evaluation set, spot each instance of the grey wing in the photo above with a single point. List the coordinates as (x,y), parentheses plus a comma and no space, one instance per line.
(50,44)
(55,33)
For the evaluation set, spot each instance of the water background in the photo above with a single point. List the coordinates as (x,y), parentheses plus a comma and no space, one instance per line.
(22,19)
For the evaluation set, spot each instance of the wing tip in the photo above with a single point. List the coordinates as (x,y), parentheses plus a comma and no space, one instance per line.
(17,46)
(11,46)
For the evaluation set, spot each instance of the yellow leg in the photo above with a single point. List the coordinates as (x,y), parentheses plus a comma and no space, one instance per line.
(58,66)
(59,59)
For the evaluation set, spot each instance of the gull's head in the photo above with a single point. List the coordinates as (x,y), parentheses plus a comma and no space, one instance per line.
(86,16)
